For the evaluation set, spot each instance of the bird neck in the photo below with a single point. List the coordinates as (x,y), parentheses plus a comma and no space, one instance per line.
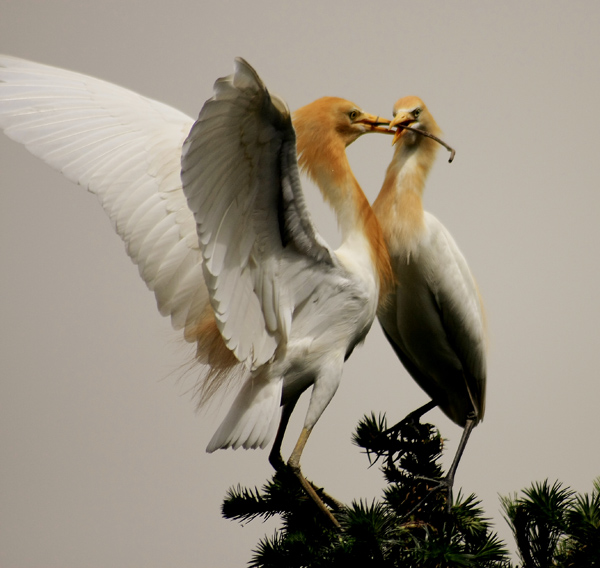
(399,205)
(324,160)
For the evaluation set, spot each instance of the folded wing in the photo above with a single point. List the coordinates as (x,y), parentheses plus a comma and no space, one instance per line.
(461,310)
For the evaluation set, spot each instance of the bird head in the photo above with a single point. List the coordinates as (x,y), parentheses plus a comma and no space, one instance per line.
(412,111)
(325,127)
(330,117)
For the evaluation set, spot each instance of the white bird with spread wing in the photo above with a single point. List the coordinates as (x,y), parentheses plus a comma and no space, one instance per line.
(281,297)
(434,318)
(240,255)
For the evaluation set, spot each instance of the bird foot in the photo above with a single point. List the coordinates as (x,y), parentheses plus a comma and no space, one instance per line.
(320,501)
(332,502)
(439,483)
(446,483)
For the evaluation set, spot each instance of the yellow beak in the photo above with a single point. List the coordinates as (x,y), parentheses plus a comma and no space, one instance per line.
(376,123)
(402,118)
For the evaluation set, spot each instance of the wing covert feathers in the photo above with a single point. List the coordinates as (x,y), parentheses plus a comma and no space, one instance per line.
(240,177)
(126,149)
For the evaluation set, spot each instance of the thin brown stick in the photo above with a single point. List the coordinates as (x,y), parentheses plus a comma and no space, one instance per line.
(425,133)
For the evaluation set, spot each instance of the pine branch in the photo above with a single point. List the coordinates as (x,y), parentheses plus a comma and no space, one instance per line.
(411,525)
(555,527)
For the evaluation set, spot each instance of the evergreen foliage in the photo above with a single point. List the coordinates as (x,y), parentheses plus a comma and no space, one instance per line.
(412,525)
(555,527)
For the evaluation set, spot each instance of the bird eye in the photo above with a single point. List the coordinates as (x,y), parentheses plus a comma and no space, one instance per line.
(353,114)
(416,112)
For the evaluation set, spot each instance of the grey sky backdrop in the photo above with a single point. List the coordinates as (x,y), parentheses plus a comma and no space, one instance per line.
(102,455)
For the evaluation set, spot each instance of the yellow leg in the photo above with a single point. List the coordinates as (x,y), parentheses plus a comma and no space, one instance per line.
(294,464)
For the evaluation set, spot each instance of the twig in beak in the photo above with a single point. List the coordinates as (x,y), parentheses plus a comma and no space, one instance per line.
(424,133)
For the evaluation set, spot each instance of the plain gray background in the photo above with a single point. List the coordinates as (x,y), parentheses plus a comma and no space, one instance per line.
(102,455)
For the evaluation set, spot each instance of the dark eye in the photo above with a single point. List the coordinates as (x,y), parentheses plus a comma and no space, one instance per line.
(416,112)
(353,114)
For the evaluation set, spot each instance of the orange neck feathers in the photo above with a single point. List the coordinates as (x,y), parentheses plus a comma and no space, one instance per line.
(399,205)
(322,156)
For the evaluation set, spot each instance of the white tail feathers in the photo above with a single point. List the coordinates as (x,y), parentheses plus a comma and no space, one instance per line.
(253,417)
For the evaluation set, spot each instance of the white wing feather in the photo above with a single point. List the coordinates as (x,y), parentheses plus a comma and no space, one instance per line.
(436,325)
(126,149)
(240,176)
(460,306)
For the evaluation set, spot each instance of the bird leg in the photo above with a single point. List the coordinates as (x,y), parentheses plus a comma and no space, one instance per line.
(414,417)
(294,465)
(278,464)
(449,479)
(275,458)
(447,482)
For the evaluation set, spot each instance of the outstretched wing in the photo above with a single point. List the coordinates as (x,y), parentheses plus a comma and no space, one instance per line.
(240,176)
(126,149)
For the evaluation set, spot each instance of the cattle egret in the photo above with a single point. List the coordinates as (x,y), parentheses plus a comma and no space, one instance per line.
(231,253)
(282,299)
(434,318)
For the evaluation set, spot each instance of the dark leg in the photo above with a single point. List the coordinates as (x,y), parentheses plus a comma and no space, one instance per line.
(414,417)
(275,458)
(469,425)
(448,481)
